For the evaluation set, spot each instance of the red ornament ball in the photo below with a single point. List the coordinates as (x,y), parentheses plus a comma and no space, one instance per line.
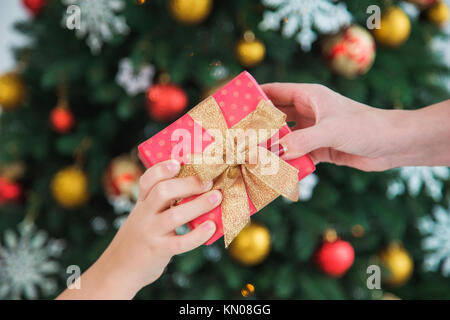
(166,101)
(351,52)
(34,6)
(61,119)
(122,176)
(335,258)
(10,191)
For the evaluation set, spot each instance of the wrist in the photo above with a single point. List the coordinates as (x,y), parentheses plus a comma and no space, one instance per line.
(114,280)
(404,138)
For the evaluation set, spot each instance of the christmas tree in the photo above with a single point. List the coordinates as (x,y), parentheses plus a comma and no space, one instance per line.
(99,77)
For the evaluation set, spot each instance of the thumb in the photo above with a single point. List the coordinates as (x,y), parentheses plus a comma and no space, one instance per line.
(303,141)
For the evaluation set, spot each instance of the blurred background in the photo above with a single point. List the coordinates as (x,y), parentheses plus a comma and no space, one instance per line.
(82,83)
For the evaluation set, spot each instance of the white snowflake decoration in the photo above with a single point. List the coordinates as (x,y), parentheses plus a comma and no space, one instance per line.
(302,16)
(27,262)
(437,240)
(99,21)
(134,81)
(414,179)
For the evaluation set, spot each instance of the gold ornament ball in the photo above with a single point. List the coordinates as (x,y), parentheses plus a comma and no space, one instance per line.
(121,176)
(12,91)
(395,28)
(438,14)
(399,264)
(69,187)
(190,11)
(249,50)
(252,245)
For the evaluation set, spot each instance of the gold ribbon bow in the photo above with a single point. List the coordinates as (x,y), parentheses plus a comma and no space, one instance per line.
(239,180)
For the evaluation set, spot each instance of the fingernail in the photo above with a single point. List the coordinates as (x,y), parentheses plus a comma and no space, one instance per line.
(278,149)
(209,225)
(215,197)
(173,165)
(207,185)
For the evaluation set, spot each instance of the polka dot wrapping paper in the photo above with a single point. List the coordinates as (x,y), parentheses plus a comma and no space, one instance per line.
(236,99)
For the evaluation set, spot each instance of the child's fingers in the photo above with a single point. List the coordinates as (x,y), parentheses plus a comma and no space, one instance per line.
(160,171)
(181,214)
(193,239)
(165,192)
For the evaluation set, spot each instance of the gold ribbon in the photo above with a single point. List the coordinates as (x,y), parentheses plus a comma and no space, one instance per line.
(240,180)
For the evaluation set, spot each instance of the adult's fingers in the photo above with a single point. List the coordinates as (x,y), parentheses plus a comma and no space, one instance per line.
(176,216)
(163,194)
(288,94)
(193,239)
(303,141)
(281,94)
(301,97)
(159,172)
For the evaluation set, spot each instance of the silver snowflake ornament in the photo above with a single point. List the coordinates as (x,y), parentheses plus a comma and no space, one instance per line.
(436,229)
(134,81)
(304,17)
(414,179)
(27,263)
(99,21)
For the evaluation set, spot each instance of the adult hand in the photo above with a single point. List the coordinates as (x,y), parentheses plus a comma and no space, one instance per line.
(335,129)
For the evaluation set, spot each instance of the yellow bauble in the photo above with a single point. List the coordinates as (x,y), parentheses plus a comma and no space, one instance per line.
(69,187)
(190,11)
(439,14)
(12,91)
(395,28)
(250,51)
(398,263)
(252,245)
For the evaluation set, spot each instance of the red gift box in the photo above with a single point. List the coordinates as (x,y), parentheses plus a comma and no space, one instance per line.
(236,99)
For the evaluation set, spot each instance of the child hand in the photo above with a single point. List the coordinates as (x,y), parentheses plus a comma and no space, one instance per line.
(146,242)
